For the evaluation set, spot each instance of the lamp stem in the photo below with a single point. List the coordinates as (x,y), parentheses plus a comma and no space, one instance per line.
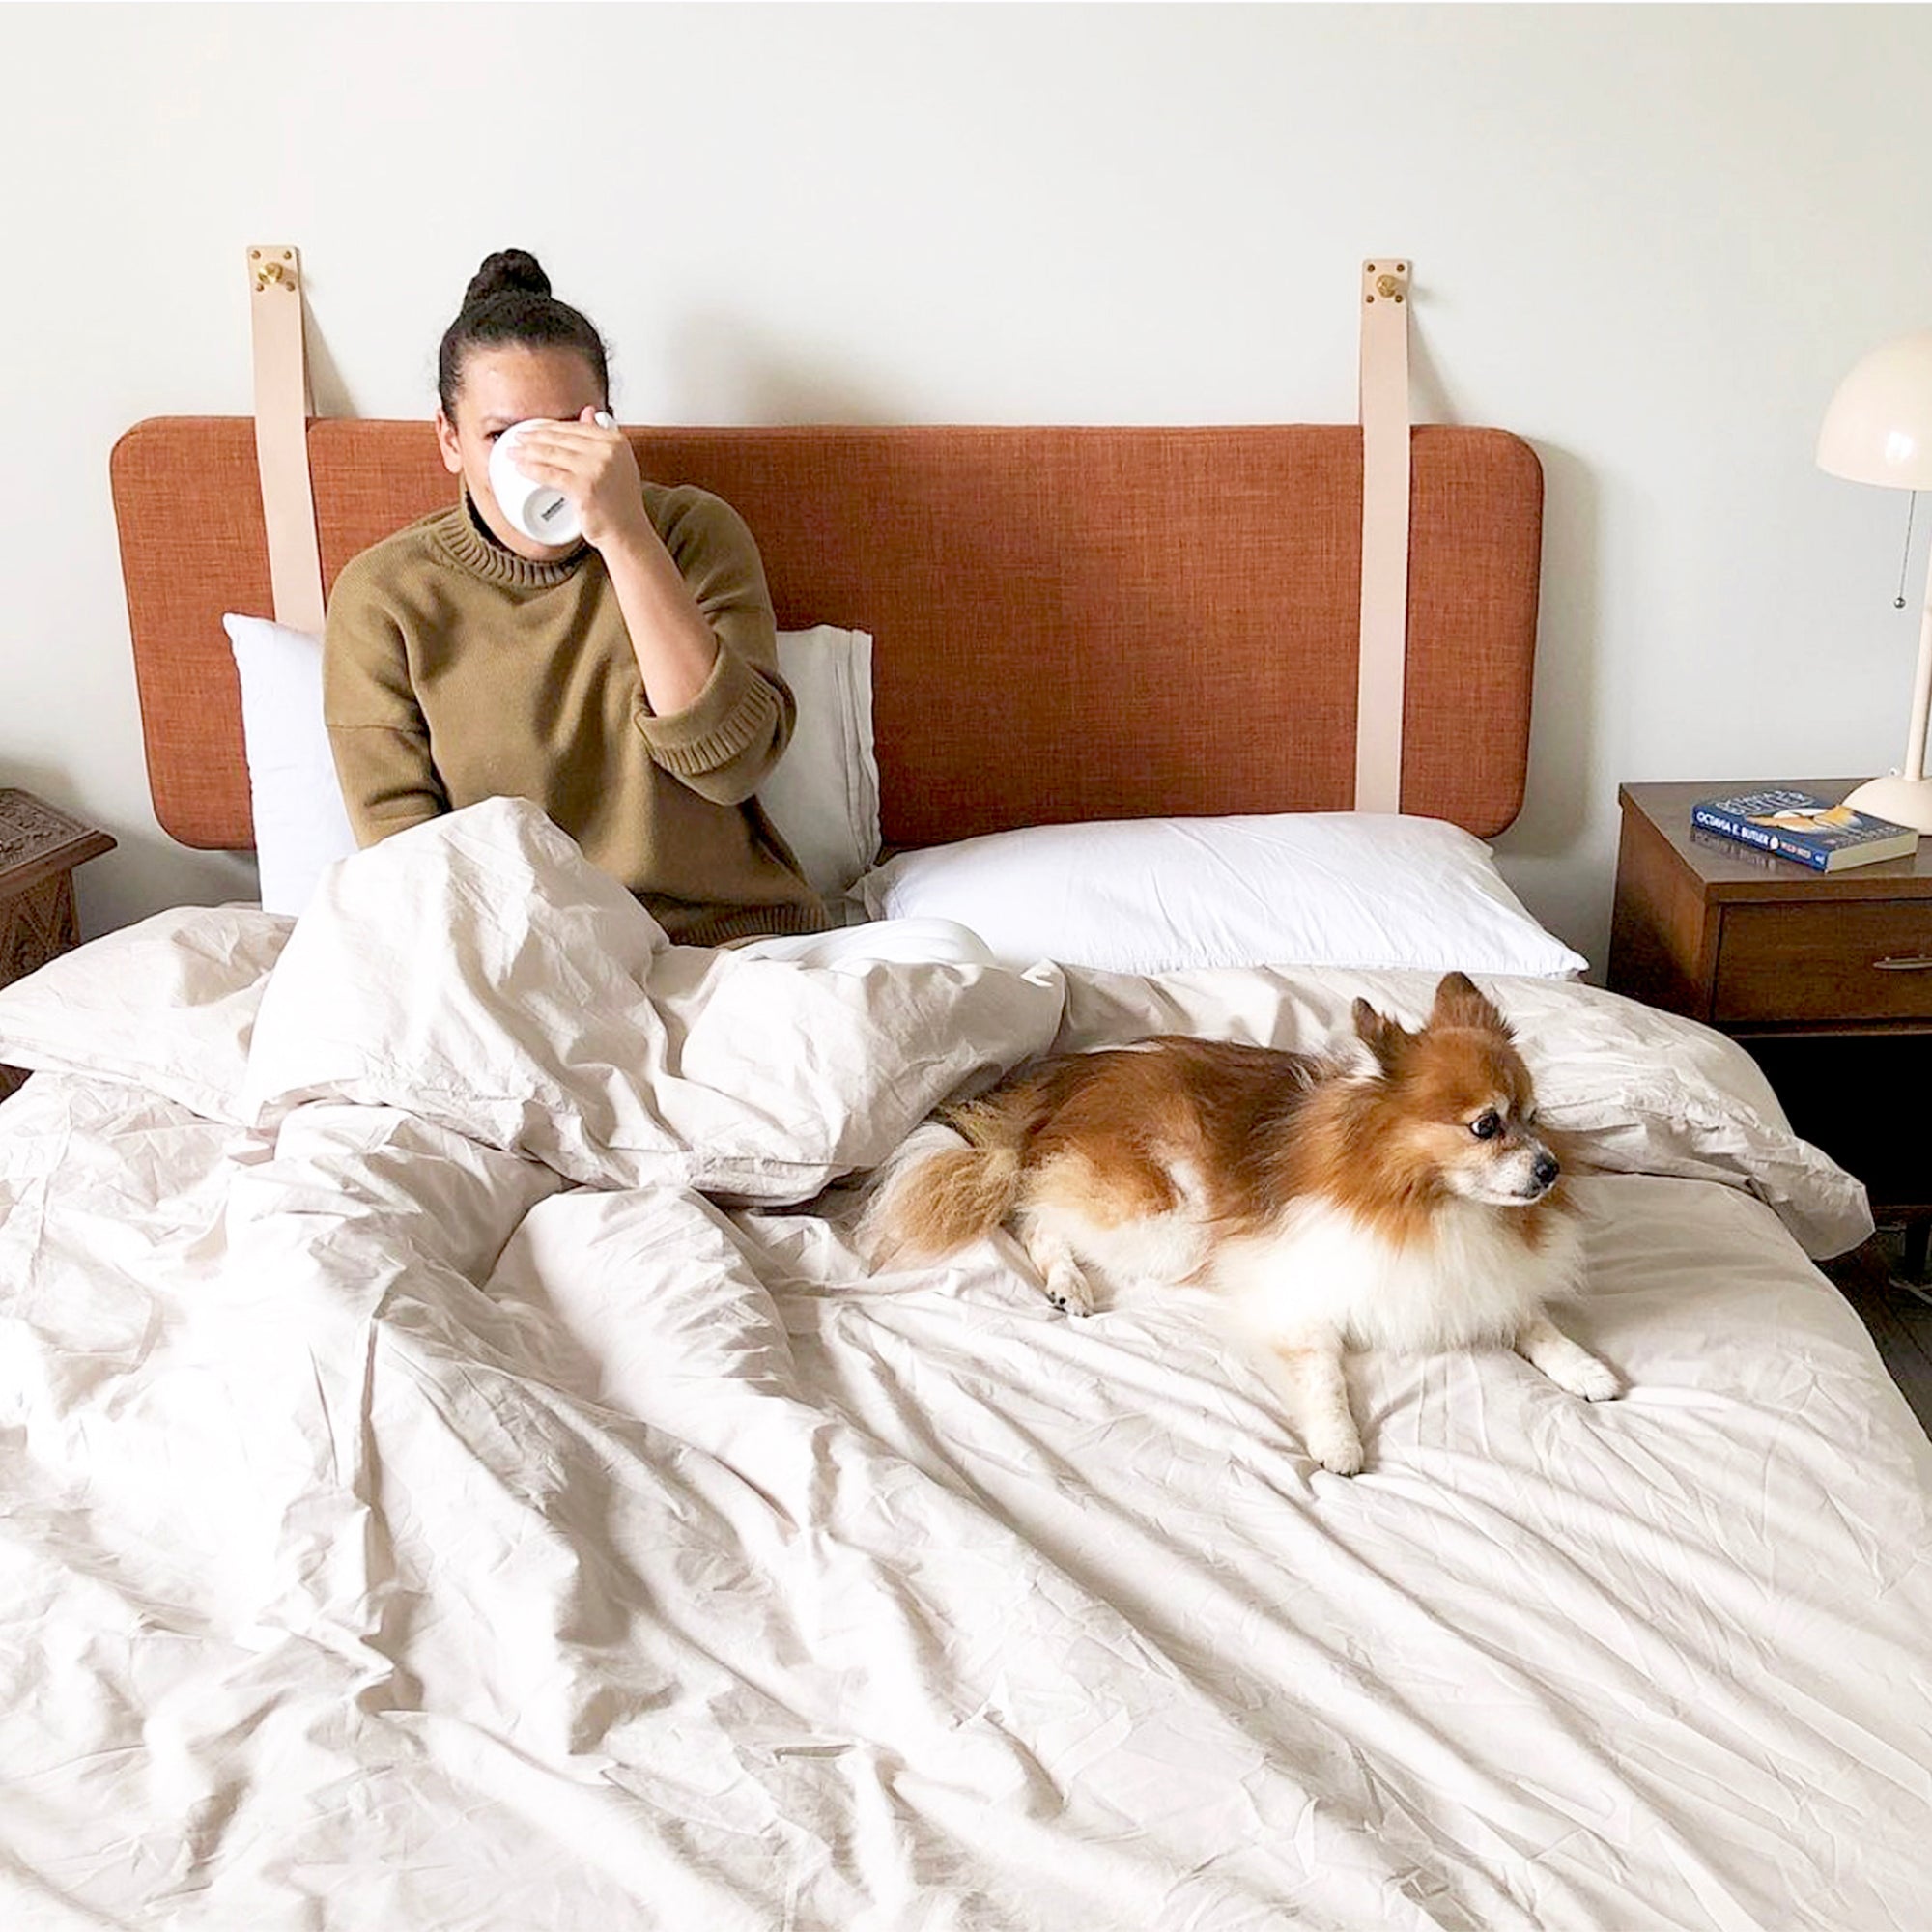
(1907,798)
(1921,696)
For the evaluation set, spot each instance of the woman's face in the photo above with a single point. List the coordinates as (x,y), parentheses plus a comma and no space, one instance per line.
(501,385)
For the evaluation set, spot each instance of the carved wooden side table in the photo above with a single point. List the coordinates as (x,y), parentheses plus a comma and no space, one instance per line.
(40,847)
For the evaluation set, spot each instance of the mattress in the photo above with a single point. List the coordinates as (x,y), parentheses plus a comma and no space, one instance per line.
(460,1473)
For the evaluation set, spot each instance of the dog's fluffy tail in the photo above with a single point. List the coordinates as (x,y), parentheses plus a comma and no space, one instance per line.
(938,1197)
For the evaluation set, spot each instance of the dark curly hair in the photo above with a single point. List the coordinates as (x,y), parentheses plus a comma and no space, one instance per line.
(508,300)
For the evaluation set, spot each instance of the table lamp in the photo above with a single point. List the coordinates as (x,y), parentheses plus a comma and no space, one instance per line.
(1879,430)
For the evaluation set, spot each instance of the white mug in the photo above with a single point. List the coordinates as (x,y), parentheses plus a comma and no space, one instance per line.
(542,512)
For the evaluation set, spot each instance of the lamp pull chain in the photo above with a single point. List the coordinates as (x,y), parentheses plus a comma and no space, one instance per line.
(1910,504)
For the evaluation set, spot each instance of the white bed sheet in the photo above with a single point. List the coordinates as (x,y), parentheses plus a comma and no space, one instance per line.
(457,1475)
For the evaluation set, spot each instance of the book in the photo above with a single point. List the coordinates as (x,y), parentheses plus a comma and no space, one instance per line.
(1800,826)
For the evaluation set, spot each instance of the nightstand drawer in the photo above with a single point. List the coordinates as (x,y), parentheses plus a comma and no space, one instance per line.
(1865,960)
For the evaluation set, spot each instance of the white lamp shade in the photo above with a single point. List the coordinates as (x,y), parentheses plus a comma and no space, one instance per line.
(1879,426)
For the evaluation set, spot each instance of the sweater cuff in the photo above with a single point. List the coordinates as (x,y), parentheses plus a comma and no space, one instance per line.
(736,709)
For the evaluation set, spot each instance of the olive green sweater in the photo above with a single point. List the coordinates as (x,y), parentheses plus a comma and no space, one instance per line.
(455,670)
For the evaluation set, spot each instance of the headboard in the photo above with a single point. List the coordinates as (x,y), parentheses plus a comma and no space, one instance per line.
(1069,623)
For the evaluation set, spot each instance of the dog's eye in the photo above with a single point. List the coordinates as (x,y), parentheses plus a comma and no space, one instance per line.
(1487,1126)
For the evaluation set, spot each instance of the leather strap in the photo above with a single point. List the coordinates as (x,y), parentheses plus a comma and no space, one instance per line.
(1385,631)
(282,407)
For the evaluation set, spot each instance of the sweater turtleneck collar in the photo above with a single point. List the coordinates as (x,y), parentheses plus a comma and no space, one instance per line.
(460,534)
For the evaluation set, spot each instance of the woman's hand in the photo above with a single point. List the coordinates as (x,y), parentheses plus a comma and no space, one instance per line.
(594,468)
(673,643)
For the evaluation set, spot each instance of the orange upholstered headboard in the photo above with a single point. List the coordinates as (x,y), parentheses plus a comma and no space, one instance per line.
(1067,623)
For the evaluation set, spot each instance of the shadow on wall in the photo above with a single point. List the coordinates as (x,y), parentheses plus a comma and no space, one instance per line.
(329,393)
(1560,852)
(1559,795)
(1428,394)
(148,871)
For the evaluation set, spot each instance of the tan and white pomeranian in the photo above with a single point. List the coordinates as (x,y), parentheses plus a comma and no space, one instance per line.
(1406,1200)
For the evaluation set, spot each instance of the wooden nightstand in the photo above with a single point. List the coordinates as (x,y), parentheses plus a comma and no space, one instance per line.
(39,848)
(1824,978)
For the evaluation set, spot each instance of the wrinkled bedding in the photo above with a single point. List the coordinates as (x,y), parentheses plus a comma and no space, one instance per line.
(458,1472)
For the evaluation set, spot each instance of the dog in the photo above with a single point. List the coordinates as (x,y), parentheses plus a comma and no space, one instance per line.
(1407,1199)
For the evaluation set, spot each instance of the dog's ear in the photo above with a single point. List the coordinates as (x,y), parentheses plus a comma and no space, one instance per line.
(1384,1038)
(1460,1003)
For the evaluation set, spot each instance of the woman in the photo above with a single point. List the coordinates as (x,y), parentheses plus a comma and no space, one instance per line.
(627,682)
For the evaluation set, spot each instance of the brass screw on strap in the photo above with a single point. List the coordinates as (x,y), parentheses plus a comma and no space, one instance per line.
(1386,286)
(271,275)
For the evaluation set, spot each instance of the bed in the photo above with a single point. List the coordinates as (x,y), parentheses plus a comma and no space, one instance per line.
(460,1472)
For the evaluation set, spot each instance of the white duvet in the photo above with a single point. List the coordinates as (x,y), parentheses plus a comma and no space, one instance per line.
(457,1473)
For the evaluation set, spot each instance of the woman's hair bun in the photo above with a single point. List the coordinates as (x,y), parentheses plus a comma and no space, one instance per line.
(508,300)
(506,270)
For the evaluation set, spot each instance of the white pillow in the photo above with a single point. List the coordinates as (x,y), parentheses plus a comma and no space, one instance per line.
(823,798)
(1162,895)
(300,823)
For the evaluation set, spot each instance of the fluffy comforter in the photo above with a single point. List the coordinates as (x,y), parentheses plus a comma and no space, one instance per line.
(458,1473)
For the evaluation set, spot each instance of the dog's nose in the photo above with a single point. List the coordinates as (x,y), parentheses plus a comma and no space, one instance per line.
(1544,1169)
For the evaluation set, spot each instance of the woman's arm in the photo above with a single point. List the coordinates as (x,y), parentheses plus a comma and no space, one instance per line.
(594,467)
(716,713)
(375,729)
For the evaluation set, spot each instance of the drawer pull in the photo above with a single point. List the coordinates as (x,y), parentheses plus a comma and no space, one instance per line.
(1920,962)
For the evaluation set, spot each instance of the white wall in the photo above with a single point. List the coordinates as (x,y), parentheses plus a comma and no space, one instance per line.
(1649,238)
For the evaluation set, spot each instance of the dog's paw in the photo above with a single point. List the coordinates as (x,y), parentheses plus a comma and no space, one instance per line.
(1589,1378)
(1333,1450)
(1069,1289)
